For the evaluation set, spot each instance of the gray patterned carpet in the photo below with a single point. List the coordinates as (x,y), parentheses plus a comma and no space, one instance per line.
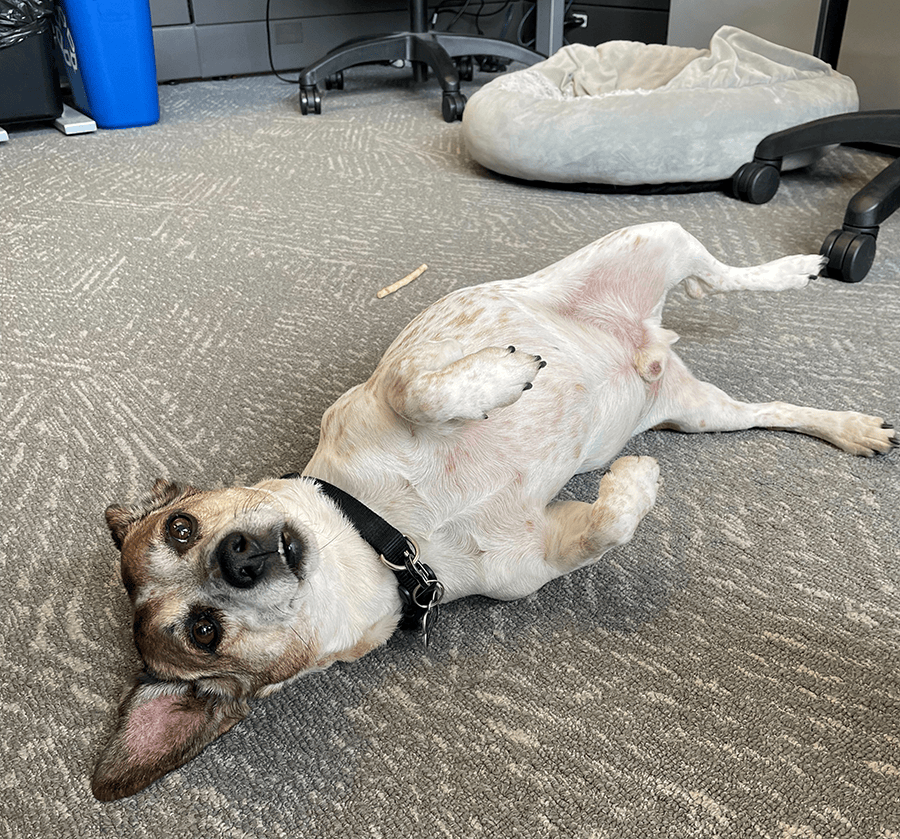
(185,300)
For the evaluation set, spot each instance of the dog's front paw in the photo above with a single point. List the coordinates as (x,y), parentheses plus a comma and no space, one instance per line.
(494,378)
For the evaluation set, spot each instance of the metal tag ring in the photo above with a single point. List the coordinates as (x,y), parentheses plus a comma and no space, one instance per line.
(433,589)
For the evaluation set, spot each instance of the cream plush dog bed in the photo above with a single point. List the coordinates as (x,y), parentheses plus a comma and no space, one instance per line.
(626,113)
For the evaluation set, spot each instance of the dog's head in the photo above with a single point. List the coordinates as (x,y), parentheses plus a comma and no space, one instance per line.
(224,612)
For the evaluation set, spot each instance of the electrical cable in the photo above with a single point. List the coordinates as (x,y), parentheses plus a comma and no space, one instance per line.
(269,47)
(459,14)
(519,32)
(480,14)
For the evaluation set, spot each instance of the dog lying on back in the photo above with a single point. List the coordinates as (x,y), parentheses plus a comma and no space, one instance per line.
(478,414)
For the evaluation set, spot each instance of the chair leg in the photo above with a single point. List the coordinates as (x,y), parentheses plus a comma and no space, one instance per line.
(363,51)
(850,250)
(434,50)
(457,45)
(427,50)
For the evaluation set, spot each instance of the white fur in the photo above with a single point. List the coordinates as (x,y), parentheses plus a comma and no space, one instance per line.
(462,444)
(476,493)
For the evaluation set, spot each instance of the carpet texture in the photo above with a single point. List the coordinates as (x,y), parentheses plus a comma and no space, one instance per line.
(184,300)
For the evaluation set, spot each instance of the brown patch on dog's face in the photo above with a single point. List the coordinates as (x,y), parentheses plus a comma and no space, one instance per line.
(217,583)
(216,580)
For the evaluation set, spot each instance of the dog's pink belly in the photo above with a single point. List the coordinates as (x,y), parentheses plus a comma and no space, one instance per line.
(576,417)
(464,488)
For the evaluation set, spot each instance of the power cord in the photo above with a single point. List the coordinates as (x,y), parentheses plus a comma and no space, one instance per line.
(532,9)
(269,47)
(486,63)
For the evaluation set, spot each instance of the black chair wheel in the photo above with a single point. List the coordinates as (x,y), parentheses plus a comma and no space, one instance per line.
(310,100)
(850,255)
(465,67)
(452,105)
(335,81)
(755,182)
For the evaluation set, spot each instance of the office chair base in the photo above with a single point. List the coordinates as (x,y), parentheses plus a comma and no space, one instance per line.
(310,100)
(447,55)
(756,182)
(850,254)
(851,250)
(453,104)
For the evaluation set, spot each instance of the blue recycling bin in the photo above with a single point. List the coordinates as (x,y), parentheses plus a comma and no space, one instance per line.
(107,48)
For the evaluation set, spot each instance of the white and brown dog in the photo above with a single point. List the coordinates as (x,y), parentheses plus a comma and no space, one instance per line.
(237,591)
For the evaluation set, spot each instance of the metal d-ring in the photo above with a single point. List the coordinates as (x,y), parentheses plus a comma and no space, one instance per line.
(408,564)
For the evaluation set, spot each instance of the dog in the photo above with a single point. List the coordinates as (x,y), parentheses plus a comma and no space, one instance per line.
(476,416)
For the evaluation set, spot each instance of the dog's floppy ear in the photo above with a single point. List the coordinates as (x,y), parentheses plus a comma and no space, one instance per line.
(161,726)
(122,517)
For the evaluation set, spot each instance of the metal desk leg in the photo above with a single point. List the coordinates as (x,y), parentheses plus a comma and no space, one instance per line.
(549,26)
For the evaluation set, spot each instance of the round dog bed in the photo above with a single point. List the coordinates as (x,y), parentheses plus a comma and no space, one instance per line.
(626,113)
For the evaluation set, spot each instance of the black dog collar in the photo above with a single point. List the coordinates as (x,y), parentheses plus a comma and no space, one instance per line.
(420,590)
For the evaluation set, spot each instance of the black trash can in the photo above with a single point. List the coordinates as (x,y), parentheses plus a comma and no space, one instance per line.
(29,81)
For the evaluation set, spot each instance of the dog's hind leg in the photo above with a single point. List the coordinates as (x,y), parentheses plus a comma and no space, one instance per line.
(779,275)
(691,263)
(568,535)
(627,274)
(687,404)
(578,534)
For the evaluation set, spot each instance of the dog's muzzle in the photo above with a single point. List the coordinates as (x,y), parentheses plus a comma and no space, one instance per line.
(246,559)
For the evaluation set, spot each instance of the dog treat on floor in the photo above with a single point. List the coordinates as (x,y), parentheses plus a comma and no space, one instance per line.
(434,480)
(405,281)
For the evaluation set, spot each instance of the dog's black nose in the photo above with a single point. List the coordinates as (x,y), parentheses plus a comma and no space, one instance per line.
(244,559)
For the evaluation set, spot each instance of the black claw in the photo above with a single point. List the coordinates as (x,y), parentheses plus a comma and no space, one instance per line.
(887,425)
(528,386)
(542,365)
(511,348)
(484,416)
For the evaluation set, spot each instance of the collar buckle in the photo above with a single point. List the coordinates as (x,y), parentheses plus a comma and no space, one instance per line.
(420,590)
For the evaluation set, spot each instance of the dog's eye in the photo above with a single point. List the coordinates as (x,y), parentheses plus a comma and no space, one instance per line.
(180,529)
(205,633)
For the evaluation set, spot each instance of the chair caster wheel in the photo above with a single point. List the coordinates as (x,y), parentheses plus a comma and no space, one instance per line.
(452,105)
(465,67)
(756,182)
(850,255)
(335,81)
(310,99)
